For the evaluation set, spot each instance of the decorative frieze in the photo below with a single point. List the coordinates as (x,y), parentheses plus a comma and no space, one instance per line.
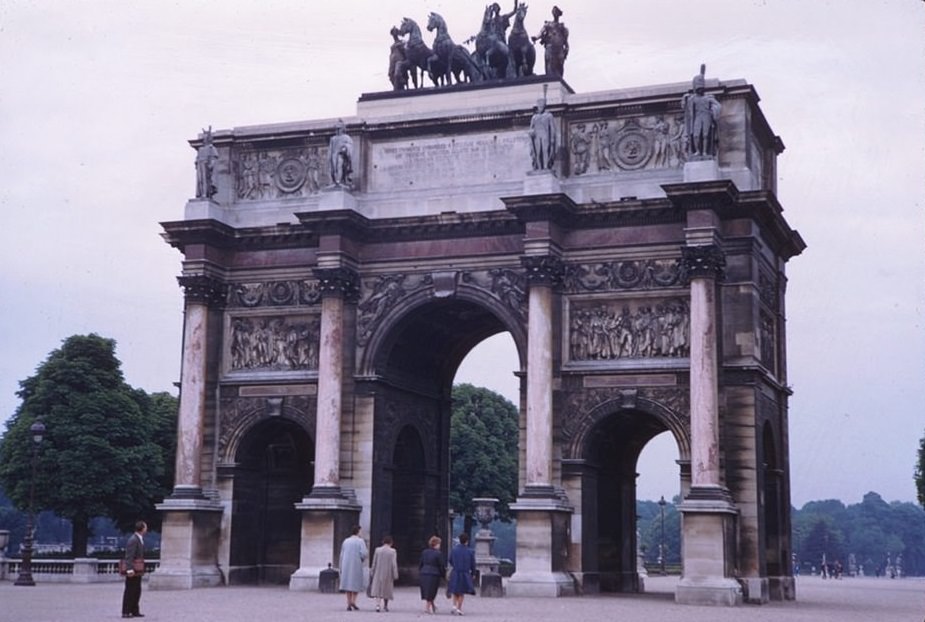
(707,261)
(203,289)
(621,275)
(767,289)
(280,173)
(652,142)
(273,294)
(274,343)
(636,329)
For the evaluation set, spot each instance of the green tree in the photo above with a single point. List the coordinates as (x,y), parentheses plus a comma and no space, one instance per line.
(99,456)
(920,473)
(483,450)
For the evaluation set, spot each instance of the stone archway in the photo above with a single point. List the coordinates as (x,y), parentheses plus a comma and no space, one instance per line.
(273,471)
(414,363)
(607,446)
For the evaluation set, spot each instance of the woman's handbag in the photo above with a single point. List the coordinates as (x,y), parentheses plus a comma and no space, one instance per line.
(138,566)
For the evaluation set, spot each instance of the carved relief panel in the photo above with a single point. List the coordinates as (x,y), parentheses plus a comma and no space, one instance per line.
(652,142)
(261,174)
(601,330)
(272,343)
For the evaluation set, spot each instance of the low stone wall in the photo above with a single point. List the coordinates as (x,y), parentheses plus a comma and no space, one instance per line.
(81,570)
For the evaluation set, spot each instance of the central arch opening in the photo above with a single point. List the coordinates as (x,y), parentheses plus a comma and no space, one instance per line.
(414,367)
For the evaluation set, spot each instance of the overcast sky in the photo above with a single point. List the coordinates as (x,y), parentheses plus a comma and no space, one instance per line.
(98,100)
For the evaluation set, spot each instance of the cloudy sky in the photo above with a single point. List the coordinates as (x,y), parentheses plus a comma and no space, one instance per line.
(99,98)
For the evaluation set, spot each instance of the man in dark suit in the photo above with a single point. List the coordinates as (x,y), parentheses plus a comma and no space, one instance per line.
(134,549)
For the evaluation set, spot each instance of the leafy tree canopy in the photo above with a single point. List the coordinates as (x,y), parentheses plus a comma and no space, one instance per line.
(100,454)
(483,449)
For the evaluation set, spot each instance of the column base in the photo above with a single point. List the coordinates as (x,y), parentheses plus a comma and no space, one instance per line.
(189,544)
(709,544)
(543,515)
(541,584)
(755,590)
(711,591)
(328,514)
(782,588)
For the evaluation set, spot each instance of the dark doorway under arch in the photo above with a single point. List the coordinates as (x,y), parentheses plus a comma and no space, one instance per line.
(413,368)
(610,538)
(274,470)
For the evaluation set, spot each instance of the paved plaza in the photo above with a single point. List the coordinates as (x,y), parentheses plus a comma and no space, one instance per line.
(846,600)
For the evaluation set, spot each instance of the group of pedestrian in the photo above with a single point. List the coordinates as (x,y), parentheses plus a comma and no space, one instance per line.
(384,572)
(353,555)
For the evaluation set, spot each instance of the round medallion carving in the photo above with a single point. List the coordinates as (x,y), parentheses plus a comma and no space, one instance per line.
(290,174)
(633,149)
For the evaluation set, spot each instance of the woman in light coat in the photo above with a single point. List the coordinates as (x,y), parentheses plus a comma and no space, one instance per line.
(353,553)
(384,573)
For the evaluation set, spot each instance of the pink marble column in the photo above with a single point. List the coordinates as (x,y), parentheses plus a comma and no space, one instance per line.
(539,387)
(704,265)
(200,293)
(330,383)
(542,273)
(336,284)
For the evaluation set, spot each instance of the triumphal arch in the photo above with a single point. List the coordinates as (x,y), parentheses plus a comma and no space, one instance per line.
(336,273)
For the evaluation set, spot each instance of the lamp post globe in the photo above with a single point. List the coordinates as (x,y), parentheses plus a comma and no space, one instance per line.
(37,431)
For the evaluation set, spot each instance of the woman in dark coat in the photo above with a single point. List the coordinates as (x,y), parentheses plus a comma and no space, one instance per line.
(432,568)
(462,559)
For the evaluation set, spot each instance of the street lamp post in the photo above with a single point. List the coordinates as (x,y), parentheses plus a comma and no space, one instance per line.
(661,543)
(25,569)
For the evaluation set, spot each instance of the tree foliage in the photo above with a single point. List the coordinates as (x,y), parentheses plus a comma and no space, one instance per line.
(920,473)
(483,449)
(870,530)
(100,455)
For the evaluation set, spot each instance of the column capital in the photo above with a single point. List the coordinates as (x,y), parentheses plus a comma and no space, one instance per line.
(203,289)
(543,269)
(702,262)
(342,282)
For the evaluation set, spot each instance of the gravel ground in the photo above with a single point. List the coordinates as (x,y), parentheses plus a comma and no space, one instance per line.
(846,600)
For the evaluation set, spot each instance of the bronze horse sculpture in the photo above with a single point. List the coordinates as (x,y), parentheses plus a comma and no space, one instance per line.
(523,54)
(449,60)
(417,54)
(491,51)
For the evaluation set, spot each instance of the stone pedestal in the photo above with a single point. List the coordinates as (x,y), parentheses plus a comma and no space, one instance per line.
(701,170)
(336,198)
(542,542)
(708,549)
(326,522)
(189,545)
(85,570)
(541,182)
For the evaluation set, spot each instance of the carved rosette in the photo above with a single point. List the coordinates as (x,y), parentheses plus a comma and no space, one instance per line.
(586,408)
(202,289)
(545,270)
(702,262)
(341,281)
(622,275)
